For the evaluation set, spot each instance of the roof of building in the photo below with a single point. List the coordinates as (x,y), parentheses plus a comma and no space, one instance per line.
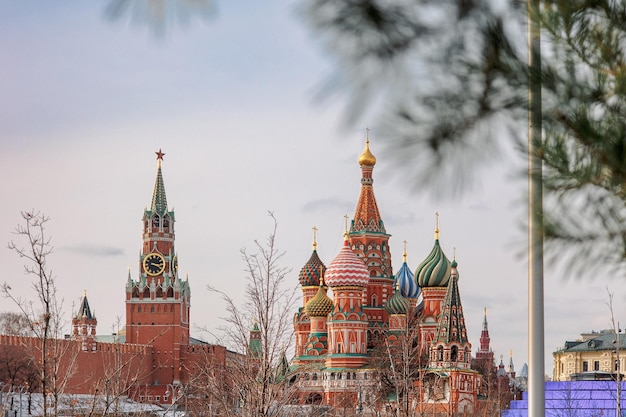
(312,270)
(84,311)
(452,322)
(367,217)
(434,271)
(320,305)
(406,279)
(397,304)
(604,340)
(347,269)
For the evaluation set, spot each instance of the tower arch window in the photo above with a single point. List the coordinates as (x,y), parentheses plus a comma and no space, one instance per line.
(156,221)
(166,223)
(454,353)
(440,353)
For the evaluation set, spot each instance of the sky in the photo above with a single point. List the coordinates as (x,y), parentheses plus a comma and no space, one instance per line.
(233,102)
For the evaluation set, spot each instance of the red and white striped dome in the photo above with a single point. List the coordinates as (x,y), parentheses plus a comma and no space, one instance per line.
(346,269)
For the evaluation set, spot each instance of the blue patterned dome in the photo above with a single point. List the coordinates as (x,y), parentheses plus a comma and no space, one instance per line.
(405,279)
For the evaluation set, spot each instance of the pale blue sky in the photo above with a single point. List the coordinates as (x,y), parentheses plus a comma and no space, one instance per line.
(85,102)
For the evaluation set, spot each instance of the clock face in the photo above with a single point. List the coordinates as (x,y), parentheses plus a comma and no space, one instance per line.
(175,265)
(154,264)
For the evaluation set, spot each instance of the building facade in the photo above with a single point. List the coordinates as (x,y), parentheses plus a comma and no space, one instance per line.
(593,353)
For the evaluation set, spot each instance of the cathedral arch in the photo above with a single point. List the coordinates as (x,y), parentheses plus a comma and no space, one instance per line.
(159,292)
(170,292)
(146,292)
(440,353)
(454,353)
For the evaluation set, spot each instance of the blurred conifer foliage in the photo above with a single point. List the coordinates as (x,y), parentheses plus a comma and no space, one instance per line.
(448,82)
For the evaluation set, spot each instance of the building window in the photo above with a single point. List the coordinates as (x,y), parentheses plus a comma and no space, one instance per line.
(596,365)
(585,366)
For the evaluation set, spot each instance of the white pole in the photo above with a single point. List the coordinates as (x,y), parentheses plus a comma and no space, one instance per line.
(536,369)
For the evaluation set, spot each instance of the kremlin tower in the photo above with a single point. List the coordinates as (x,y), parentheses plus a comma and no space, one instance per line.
(157,304)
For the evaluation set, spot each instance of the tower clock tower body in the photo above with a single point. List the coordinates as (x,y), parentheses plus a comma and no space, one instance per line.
(157,304)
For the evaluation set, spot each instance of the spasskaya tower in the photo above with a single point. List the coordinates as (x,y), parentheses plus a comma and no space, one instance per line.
(157,303)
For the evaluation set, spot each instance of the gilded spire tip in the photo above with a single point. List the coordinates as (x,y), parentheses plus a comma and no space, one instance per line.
(314,237)
(404,251)
(436,225)
(367,158)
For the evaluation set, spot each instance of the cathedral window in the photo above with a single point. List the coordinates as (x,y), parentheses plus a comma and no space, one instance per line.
(166,223)
(440,353)
(155,222)
(138,309)
(152,309)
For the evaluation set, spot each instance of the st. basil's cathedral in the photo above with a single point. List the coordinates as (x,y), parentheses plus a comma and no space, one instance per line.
(377,322)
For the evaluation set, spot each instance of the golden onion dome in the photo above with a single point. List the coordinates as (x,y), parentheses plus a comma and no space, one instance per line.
(320,305)
(367,158)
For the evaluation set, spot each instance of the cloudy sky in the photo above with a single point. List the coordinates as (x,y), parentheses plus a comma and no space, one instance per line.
(86,101)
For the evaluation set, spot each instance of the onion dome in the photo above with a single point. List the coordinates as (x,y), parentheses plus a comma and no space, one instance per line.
(435,270)
(320,305)
(347,269)
(405,279)
(367,158)
(314,269)
(397,304)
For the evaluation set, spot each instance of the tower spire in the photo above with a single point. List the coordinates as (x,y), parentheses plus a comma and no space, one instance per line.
(367,217)
(159,200)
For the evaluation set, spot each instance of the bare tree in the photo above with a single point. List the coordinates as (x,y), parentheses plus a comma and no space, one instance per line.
(14,324)
(44,317)
(258,375)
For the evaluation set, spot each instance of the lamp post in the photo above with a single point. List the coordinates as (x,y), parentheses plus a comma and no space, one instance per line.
(172,389)
(21,390)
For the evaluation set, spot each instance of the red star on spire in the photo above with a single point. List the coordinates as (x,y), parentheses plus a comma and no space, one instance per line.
(160,155)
